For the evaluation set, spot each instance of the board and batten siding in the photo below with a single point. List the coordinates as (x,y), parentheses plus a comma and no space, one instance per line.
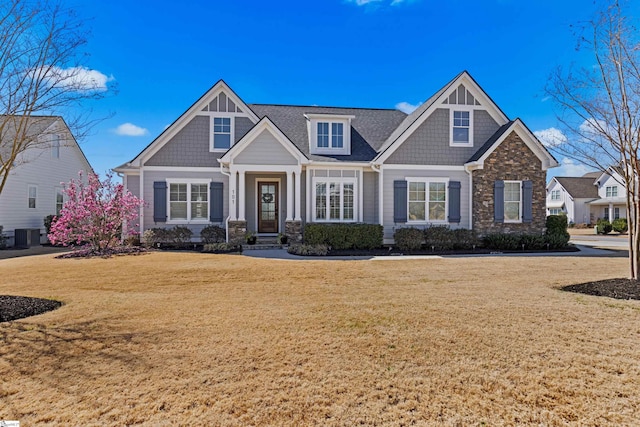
(370,202)
(151,176)
(265,150)
(47,174)
(391,175)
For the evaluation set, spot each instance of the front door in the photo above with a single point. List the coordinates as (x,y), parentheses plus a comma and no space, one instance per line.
(267,207)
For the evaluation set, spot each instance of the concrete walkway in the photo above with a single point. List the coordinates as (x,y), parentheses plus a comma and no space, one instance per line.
(585,251)
(602,241)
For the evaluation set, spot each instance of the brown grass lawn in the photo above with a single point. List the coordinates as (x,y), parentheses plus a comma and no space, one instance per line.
(197,339)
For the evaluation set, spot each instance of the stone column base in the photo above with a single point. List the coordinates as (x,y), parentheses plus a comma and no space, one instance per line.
(237,230)
(293,231)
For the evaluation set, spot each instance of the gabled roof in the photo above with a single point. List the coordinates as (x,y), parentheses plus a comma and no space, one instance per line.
(417,117)
(579,187)
(478,158)
(370,127)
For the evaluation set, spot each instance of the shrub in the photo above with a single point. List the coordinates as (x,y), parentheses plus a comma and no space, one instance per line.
(3,239)
(464,239)
(48,222)
(556,224)
(344,236)
(154,236)
(132,240)
(177,237)
(438,237)
(222,248)
(604,226)
(556,241)
(620,225)
(308,250)
(533,242)
(502,241)
(408,239)
(213,234)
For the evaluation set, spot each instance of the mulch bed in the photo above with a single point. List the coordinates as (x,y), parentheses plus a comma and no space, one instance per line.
(397,252)
(16,307)
(612,288)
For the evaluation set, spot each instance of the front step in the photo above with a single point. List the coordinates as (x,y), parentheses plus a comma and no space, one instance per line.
(261,246)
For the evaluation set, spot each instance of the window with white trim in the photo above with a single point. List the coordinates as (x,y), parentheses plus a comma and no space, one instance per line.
(188,201)
(330,135)
(555,211)
(616,213)
(334,199)
(222,133)
(59,200)
(32,196)
(55,147)
(461,128)
(612,191)
(512,201)
(555,195)
(427,200)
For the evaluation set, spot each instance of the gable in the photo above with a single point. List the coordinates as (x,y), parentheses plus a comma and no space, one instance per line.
(265,149)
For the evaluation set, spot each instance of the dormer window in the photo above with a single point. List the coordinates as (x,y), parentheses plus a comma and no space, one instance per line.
(329,134)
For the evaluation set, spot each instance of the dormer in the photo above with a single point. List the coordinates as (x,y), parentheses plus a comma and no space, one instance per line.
(329,133)
(461,104)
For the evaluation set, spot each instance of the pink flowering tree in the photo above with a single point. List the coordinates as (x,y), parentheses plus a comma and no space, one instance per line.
(97,213)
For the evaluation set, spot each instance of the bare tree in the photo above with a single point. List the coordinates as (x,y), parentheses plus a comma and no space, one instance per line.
(600,108)
(41,74)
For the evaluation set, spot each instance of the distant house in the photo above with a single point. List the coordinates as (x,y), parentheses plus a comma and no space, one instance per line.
(588,198)
(33,189)
(457,160)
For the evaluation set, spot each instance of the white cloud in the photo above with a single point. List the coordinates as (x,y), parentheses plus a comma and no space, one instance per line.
(363,2)
(569,167)
(405,107)
(373,2)
(77,78)
(129,129)
(551,137)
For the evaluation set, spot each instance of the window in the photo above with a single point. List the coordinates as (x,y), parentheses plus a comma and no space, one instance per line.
(461,128)
(616,213)
(555,195)
(59,200)
(221,133)
(55,147)
(32,196)
(555,211)
(612,191)
(606,213)
(512,201)
(334,200)
(188,202)
(427,201)
(333,132)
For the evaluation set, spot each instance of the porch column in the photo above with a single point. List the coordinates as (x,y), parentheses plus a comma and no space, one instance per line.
(610,212)
(298,195)
(233,213)
(289,195)
(241,197)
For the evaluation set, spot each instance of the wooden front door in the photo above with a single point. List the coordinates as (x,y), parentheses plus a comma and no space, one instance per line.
(267,207)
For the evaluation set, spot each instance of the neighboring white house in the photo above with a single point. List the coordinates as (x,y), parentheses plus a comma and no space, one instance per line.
(585,199)
(34,186)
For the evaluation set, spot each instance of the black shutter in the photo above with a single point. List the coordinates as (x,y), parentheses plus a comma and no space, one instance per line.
(454,201)
(498,201)
(399,201)
(216,196)
(160,201)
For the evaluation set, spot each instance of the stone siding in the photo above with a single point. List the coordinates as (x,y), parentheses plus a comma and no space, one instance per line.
(237,231)
(293,231)
(511,161)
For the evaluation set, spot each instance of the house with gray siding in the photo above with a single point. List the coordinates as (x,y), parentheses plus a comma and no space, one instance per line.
(457,160)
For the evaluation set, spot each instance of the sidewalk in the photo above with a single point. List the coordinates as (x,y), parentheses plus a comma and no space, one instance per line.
(34,250)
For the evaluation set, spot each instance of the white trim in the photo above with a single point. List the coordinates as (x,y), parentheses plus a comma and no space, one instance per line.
(424,167)
(187,116)
(184,169)
(188,182)
(264,124)
(427,181)
(313,135)
(381,196)
(257,200)
(308,195)
(242,215)
(341,181)
(390,146)
(298,195)
(232,132)
(461,108)
(504,202)
(141,222)
(320,116)
(289,216)
(314,164)
(35,198)
(360,177)
(266,168)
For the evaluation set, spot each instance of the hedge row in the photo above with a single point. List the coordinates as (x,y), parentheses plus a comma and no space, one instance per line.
(440,238)
(344,236)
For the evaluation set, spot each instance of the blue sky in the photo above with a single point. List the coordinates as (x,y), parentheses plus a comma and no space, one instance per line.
(161,56)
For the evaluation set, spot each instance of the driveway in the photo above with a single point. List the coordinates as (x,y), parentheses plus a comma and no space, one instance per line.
(611,241)
(34,250)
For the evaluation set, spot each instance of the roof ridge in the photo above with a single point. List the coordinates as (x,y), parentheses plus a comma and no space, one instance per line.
(325,106)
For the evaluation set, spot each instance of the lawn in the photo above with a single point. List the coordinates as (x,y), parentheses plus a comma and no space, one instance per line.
(198,339)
